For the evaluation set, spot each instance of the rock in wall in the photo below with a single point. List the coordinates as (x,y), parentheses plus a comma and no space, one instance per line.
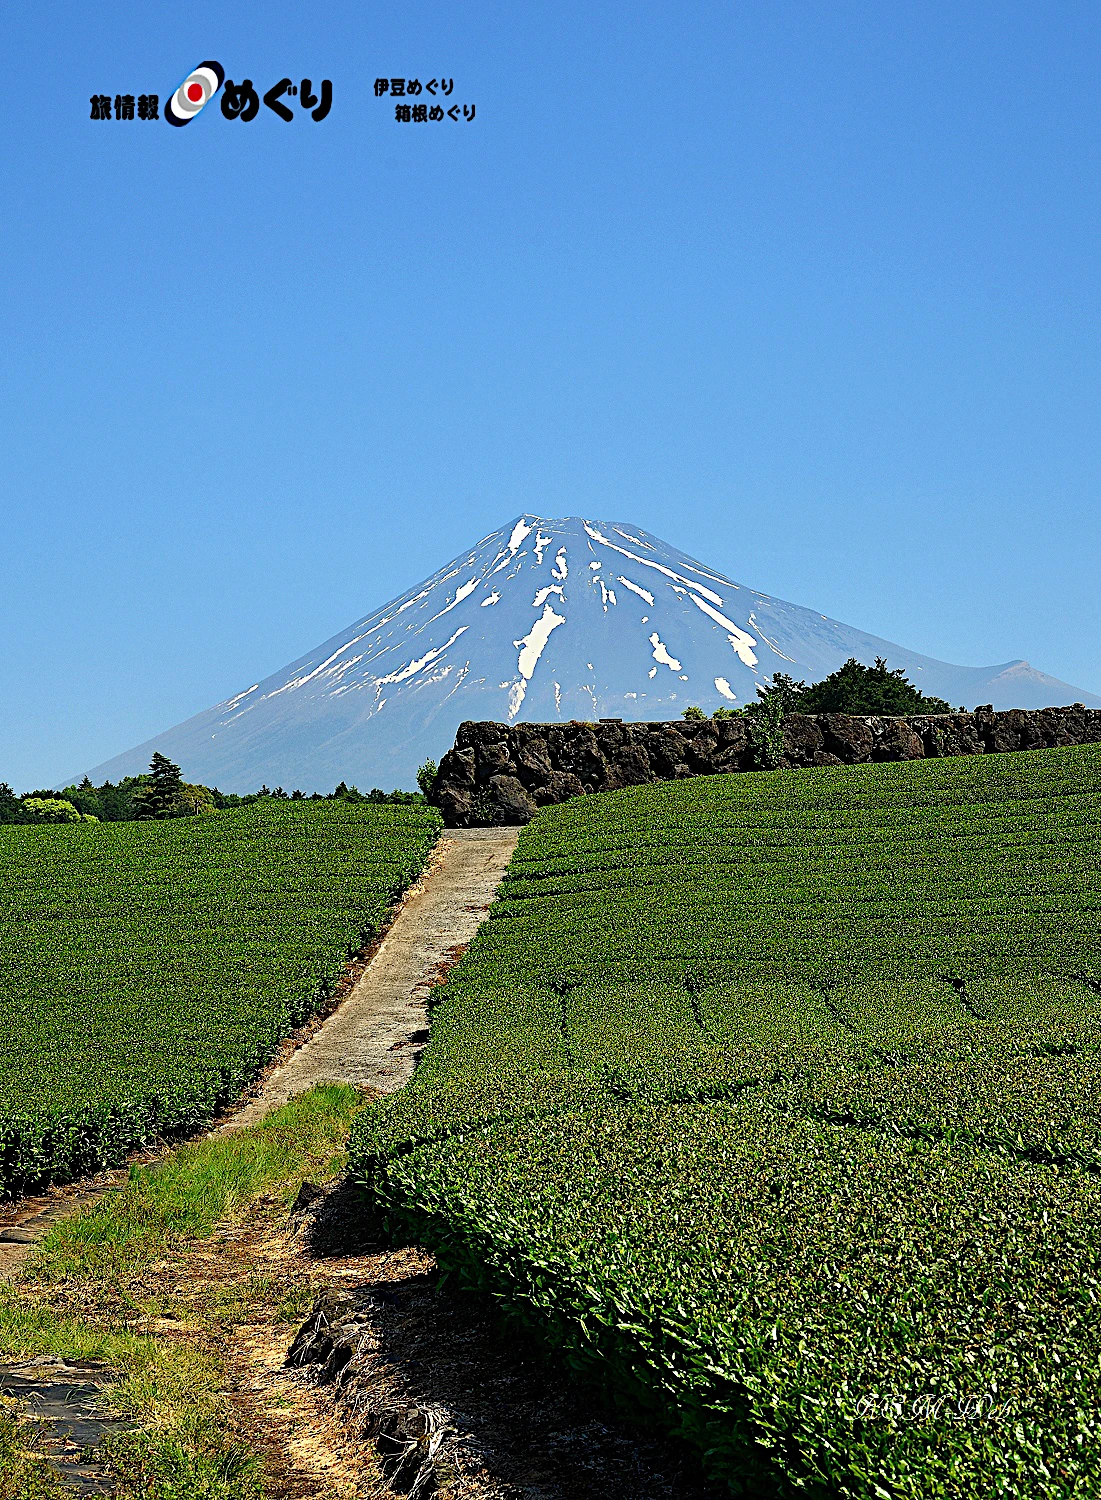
(504,773)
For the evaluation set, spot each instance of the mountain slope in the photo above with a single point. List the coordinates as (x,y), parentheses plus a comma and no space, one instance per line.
(542,620)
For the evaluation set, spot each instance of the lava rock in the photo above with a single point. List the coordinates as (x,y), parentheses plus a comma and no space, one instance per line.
(502,774)
(533,760)
(896,740)
(509,801)
(631,767)
(803,740)
(560,786)
(457,767)
(495,759)
(456,804)
(848,737)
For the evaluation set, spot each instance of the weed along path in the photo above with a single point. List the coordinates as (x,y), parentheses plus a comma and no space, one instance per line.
(373,1038)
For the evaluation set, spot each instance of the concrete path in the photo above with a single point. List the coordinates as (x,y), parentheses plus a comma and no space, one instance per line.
(373,1038)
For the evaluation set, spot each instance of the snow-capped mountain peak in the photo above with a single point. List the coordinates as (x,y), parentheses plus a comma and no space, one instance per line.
(542,620)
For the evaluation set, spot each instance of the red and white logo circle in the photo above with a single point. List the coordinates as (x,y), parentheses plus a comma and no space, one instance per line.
(197,89)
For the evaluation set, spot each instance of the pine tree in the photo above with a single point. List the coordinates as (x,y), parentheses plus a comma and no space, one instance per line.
(11,806)
(161,795)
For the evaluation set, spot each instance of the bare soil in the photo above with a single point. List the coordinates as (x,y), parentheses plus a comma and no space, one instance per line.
(450,1404)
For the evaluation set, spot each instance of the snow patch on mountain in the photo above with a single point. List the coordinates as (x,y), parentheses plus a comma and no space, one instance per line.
(648,563)
(661,655)
(464,591)
(741,640)
(635,589)
(419,665)
(531,649)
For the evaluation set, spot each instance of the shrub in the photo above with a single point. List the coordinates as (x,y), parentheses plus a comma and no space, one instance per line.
(55,810)
(426,776)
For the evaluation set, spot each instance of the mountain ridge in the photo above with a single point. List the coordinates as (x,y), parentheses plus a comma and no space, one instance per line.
(541,620)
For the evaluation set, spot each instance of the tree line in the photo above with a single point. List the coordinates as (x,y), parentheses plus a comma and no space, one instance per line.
(160,792)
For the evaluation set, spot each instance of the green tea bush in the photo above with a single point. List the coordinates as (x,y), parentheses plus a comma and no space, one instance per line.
(772,1103)
(149,970)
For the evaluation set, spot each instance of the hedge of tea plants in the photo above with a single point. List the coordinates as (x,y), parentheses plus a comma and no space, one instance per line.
(772,1104)
(148,971)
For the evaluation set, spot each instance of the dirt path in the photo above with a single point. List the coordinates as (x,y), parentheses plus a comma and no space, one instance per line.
(373,1038)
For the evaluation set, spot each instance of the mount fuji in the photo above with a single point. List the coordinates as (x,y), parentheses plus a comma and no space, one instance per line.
(542,620)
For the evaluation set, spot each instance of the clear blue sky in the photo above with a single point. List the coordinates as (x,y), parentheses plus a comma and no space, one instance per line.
(810,290)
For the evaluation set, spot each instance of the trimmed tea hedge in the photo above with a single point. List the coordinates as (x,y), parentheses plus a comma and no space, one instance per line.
(149,970)
(773,1104)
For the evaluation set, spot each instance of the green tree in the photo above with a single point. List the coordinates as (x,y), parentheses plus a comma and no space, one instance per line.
(85,798)
(345,793)
(11,806)
(693,713)
(426,776)
(857,689)
(55,810)
(775,700)
(116,799)
(779,696)
(160,796)
(196,801)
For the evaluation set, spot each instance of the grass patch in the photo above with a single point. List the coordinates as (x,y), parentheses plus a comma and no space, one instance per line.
(200,1185)
(102,1280)
(24,1474)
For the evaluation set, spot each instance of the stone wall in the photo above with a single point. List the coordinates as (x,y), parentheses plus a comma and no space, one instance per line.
(503,773)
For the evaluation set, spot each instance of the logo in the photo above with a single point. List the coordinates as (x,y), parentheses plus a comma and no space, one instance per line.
(197,90)
(240,101)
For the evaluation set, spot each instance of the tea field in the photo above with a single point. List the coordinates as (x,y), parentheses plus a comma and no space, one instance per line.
(773,1103)
(149,970)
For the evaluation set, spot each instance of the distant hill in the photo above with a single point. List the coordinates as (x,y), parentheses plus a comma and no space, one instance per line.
(542,620)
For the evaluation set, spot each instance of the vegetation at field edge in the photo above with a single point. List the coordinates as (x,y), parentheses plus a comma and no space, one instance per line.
(95,1290)
(161,792)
